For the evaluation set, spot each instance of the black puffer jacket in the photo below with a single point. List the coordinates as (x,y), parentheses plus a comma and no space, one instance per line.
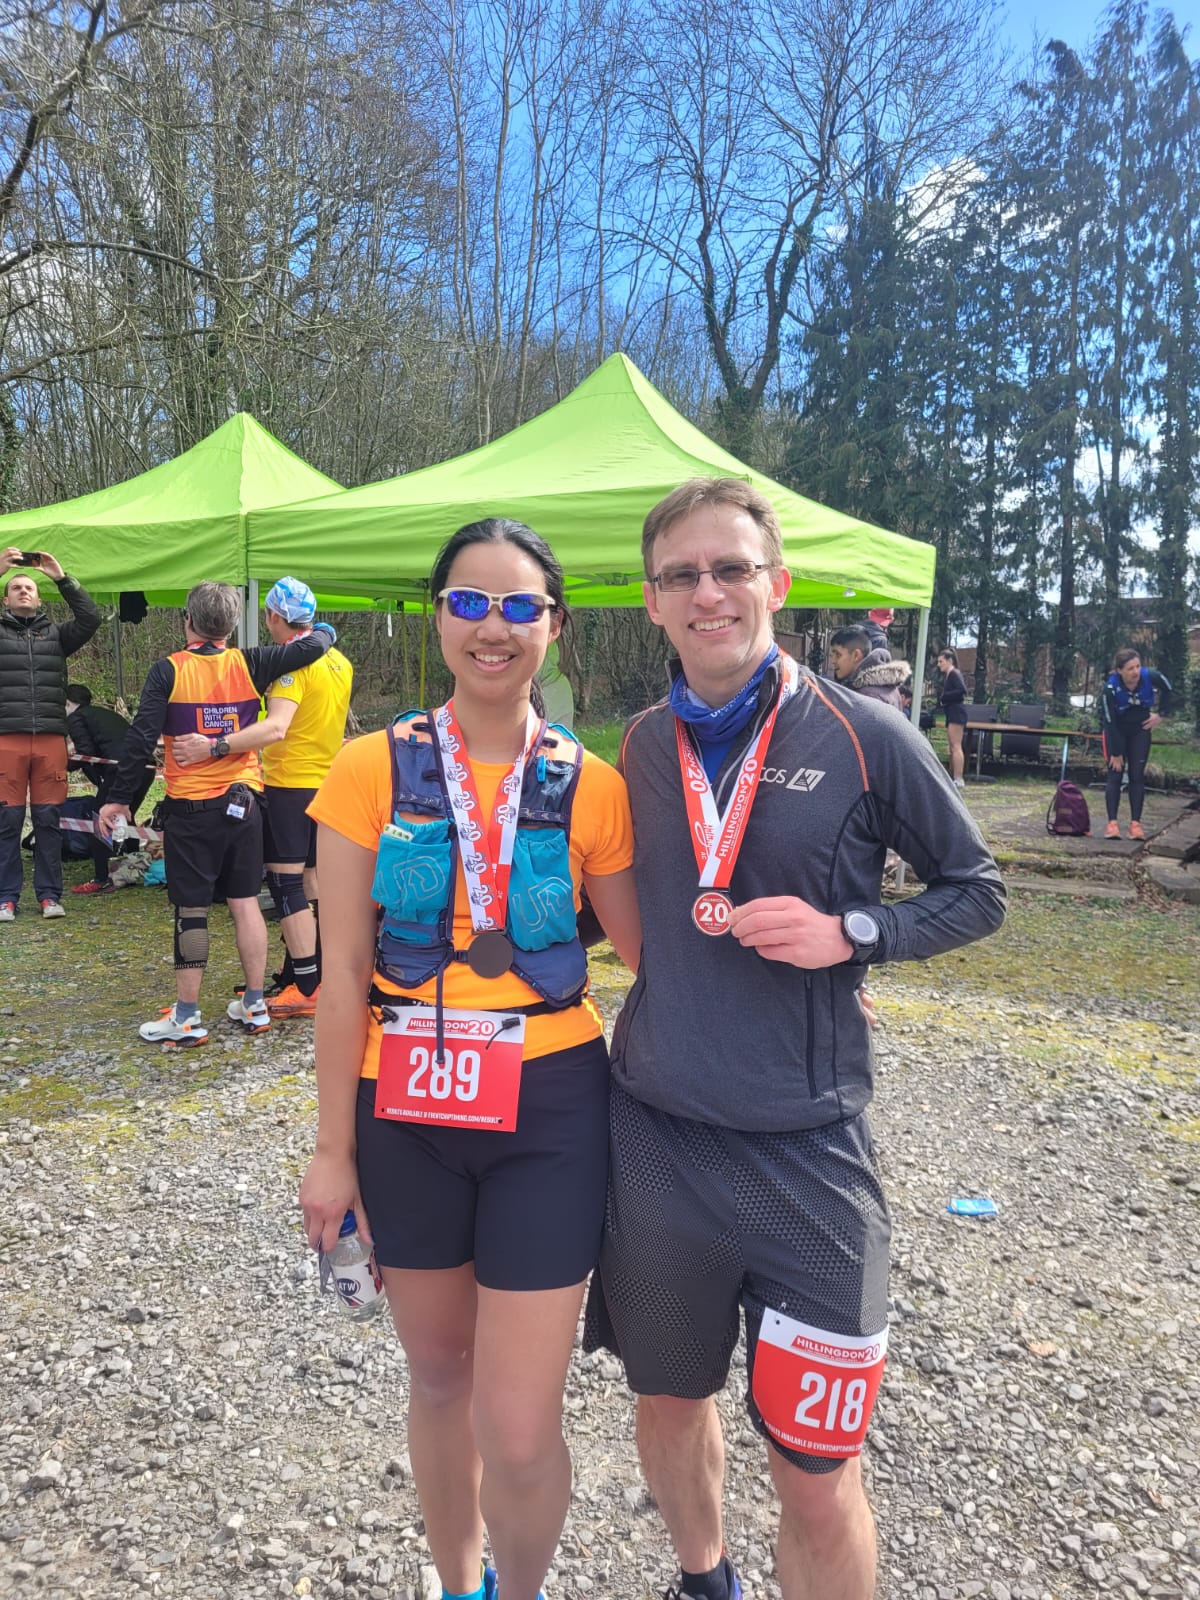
(33,656)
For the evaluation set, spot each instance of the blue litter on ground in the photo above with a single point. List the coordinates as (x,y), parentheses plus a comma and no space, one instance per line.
(973,1207)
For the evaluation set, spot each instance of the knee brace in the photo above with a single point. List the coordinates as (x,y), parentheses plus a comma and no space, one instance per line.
(191,936)
(287,891)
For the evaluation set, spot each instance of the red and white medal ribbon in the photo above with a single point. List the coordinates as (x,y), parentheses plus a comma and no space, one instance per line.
(486,850)
(717,837)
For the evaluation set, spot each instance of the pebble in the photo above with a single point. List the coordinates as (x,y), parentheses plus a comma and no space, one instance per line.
(202,1424)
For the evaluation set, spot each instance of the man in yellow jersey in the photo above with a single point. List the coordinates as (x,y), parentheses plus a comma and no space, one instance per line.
(212,830)
(299,737)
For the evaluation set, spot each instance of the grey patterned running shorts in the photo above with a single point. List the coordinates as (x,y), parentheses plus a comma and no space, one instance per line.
(704,1221)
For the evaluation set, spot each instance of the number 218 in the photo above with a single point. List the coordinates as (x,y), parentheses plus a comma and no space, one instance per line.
(814,1386)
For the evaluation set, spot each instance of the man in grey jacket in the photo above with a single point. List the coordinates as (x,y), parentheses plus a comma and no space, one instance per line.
(743,1175)
(33,720)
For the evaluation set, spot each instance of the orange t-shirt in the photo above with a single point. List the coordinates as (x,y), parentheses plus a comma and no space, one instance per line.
(356,801)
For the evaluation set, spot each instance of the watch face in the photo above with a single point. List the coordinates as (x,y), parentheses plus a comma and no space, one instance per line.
(861,928)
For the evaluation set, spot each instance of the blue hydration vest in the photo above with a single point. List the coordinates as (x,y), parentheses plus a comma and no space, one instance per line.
(1122,697)
(416,872)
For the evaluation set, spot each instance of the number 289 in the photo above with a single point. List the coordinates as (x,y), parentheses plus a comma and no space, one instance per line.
(456,1074)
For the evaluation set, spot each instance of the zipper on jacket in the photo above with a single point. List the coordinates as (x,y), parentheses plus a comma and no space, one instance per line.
(810,1046)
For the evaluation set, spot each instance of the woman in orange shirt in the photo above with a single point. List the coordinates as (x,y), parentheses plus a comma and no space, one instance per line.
(463,1113)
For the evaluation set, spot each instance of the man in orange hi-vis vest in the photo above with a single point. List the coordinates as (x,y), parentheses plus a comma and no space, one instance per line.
(212,827)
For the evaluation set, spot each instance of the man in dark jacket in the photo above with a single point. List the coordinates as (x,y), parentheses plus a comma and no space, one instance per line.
(867,671)
(33,722)
(97,736)
(743,1178)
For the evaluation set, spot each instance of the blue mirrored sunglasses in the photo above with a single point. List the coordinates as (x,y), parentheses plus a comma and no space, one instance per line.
(472,605)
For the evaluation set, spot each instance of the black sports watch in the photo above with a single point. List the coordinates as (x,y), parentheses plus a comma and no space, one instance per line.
(220,747)
(862,933)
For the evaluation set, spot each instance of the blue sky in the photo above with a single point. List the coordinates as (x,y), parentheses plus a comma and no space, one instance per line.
(1076,21)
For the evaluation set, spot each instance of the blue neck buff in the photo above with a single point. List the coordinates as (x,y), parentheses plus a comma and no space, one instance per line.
(716,727)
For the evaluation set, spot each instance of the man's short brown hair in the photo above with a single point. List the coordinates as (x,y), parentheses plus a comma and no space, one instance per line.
(697,492)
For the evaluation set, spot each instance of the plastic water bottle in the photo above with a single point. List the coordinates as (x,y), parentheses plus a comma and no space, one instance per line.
(120,832)
(351,1263)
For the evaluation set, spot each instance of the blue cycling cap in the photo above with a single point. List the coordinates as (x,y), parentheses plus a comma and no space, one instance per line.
(293,600)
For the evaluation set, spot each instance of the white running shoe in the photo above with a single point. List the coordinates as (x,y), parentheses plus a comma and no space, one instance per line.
(168,1031)
(255,1018)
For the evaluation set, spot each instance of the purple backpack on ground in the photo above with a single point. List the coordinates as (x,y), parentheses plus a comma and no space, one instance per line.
(1068,811)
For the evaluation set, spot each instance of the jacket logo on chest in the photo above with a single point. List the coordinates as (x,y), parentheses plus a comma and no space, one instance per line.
(804,780)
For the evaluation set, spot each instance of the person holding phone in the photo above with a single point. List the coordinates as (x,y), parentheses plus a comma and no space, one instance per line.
(33,720)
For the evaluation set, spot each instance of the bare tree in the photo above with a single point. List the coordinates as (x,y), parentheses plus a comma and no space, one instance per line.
(760,126)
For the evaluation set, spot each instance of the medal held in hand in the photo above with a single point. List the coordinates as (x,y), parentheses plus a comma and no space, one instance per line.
(717,837)
(486,848)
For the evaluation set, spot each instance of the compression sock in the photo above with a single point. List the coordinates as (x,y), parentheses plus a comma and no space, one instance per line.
(251,998)
(307,974)
(186,1010)
(716,1584)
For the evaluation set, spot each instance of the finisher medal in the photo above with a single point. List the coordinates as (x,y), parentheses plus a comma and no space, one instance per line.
(489,955)
(711,912)
(717,837)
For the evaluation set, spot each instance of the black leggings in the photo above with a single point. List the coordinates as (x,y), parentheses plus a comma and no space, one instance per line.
(1137,753)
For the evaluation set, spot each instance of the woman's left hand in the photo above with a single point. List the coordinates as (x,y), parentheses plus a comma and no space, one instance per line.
(1153,720)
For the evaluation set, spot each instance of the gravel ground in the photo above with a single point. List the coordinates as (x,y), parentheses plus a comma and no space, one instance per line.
(181,1414)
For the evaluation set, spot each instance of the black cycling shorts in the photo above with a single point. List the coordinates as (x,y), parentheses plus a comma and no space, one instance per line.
(289,833)
(526,1207)
(705,1222)
(957,714)
(208,855)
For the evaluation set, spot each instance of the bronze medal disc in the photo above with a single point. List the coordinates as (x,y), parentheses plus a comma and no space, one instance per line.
(711,912)
(490,954)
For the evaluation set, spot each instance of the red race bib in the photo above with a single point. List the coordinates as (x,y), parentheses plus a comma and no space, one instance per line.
(475,1084)
(815,1390)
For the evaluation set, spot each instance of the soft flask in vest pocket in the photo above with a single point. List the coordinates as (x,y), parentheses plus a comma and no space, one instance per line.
(412,884)
(541,896)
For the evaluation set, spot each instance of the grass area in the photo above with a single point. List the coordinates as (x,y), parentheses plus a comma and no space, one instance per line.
(602,738)
(1174,749)
(85,982)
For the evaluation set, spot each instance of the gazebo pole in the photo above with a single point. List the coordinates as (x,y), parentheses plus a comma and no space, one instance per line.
(424,646)
(915,708)
(251,611)
(119,664)
(404,650)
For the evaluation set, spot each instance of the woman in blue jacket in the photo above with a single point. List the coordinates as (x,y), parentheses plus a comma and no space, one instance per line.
(1127,717)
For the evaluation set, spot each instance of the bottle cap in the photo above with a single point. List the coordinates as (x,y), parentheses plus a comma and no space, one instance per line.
(348,1225)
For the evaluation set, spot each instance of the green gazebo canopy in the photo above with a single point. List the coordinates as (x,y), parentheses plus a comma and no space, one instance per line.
(177,524)
(584,474)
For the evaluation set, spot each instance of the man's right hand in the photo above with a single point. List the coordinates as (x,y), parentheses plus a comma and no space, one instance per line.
(107,815)
(1117,763)
(10,557)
